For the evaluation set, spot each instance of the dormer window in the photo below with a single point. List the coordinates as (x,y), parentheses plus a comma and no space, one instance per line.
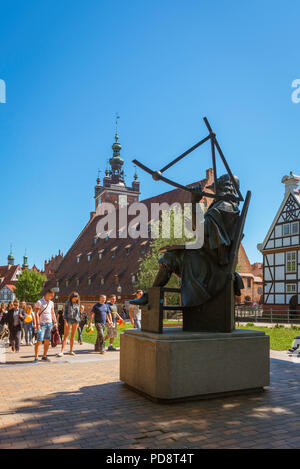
(78,258)
(95,240)
(102,281)
(114,251)
(100,256)
(89,255)
(144,246)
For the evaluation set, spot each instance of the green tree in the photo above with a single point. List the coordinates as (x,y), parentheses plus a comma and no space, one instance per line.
(148,265)
(29,286)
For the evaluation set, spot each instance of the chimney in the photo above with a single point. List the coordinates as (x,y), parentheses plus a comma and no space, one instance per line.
(291,182)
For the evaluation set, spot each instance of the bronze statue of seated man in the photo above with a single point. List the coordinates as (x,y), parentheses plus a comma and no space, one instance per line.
(204,271)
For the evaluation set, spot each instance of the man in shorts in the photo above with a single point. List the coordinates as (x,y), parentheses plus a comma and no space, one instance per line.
(45,319)
(112,328)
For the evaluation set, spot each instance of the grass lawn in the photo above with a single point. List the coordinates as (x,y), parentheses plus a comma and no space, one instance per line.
(91,338)
(281,338)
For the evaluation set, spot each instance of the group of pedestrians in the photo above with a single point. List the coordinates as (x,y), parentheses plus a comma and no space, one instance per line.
(21,323)
(105,313)
(39,322)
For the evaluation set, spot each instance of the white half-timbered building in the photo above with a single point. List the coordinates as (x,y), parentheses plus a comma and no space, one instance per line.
(281,250)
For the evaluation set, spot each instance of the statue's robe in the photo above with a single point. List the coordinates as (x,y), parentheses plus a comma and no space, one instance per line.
(204,271)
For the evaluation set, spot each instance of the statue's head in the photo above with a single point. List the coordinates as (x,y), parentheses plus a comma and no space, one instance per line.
(225,185)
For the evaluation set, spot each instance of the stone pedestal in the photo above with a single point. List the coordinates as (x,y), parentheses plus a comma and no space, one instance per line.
(178,365)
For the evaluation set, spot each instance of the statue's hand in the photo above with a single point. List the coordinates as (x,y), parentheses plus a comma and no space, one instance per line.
(197,193)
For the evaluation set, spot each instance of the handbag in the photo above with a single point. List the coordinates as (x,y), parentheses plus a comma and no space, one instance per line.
(55,337)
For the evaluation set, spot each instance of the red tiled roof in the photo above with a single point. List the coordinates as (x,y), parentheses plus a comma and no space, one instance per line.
(7,273)
(117,262)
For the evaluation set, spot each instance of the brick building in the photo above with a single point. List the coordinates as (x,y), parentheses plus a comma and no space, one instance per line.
(93,265)
(51,265)
(252,278)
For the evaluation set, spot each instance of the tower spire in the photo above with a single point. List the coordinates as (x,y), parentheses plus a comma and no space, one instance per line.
(10,257)
(25,260)
(98,177)
(116,162)
(116,134)
(114,189)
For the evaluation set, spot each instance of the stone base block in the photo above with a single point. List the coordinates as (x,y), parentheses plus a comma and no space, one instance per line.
(180,365)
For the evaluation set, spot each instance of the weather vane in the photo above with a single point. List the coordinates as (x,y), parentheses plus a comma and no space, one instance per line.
(117,118)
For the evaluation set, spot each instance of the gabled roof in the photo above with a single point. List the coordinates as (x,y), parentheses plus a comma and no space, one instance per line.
(7,273)
(296,197)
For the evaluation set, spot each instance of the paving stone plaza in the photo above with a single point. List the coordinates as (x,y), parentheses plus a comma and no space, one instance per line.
(79,402)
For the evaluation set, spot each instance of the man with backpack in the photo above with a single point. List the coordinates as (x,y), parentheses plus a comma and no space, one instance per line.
(45,319)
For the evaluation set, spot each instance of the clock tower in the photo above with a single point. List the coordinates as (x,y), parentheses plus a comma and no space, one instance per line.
(113,189)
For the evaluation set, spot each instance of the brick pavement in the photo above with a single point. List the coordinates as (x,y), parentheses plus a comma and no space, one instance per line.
(79,402)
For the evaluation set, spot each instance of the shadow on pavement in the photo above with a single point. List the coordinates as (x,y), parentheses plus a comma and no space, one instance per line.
(112,416)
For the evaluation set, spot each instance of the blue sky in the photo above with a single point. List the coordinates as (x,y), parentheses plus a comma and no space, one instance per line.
(69,65)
